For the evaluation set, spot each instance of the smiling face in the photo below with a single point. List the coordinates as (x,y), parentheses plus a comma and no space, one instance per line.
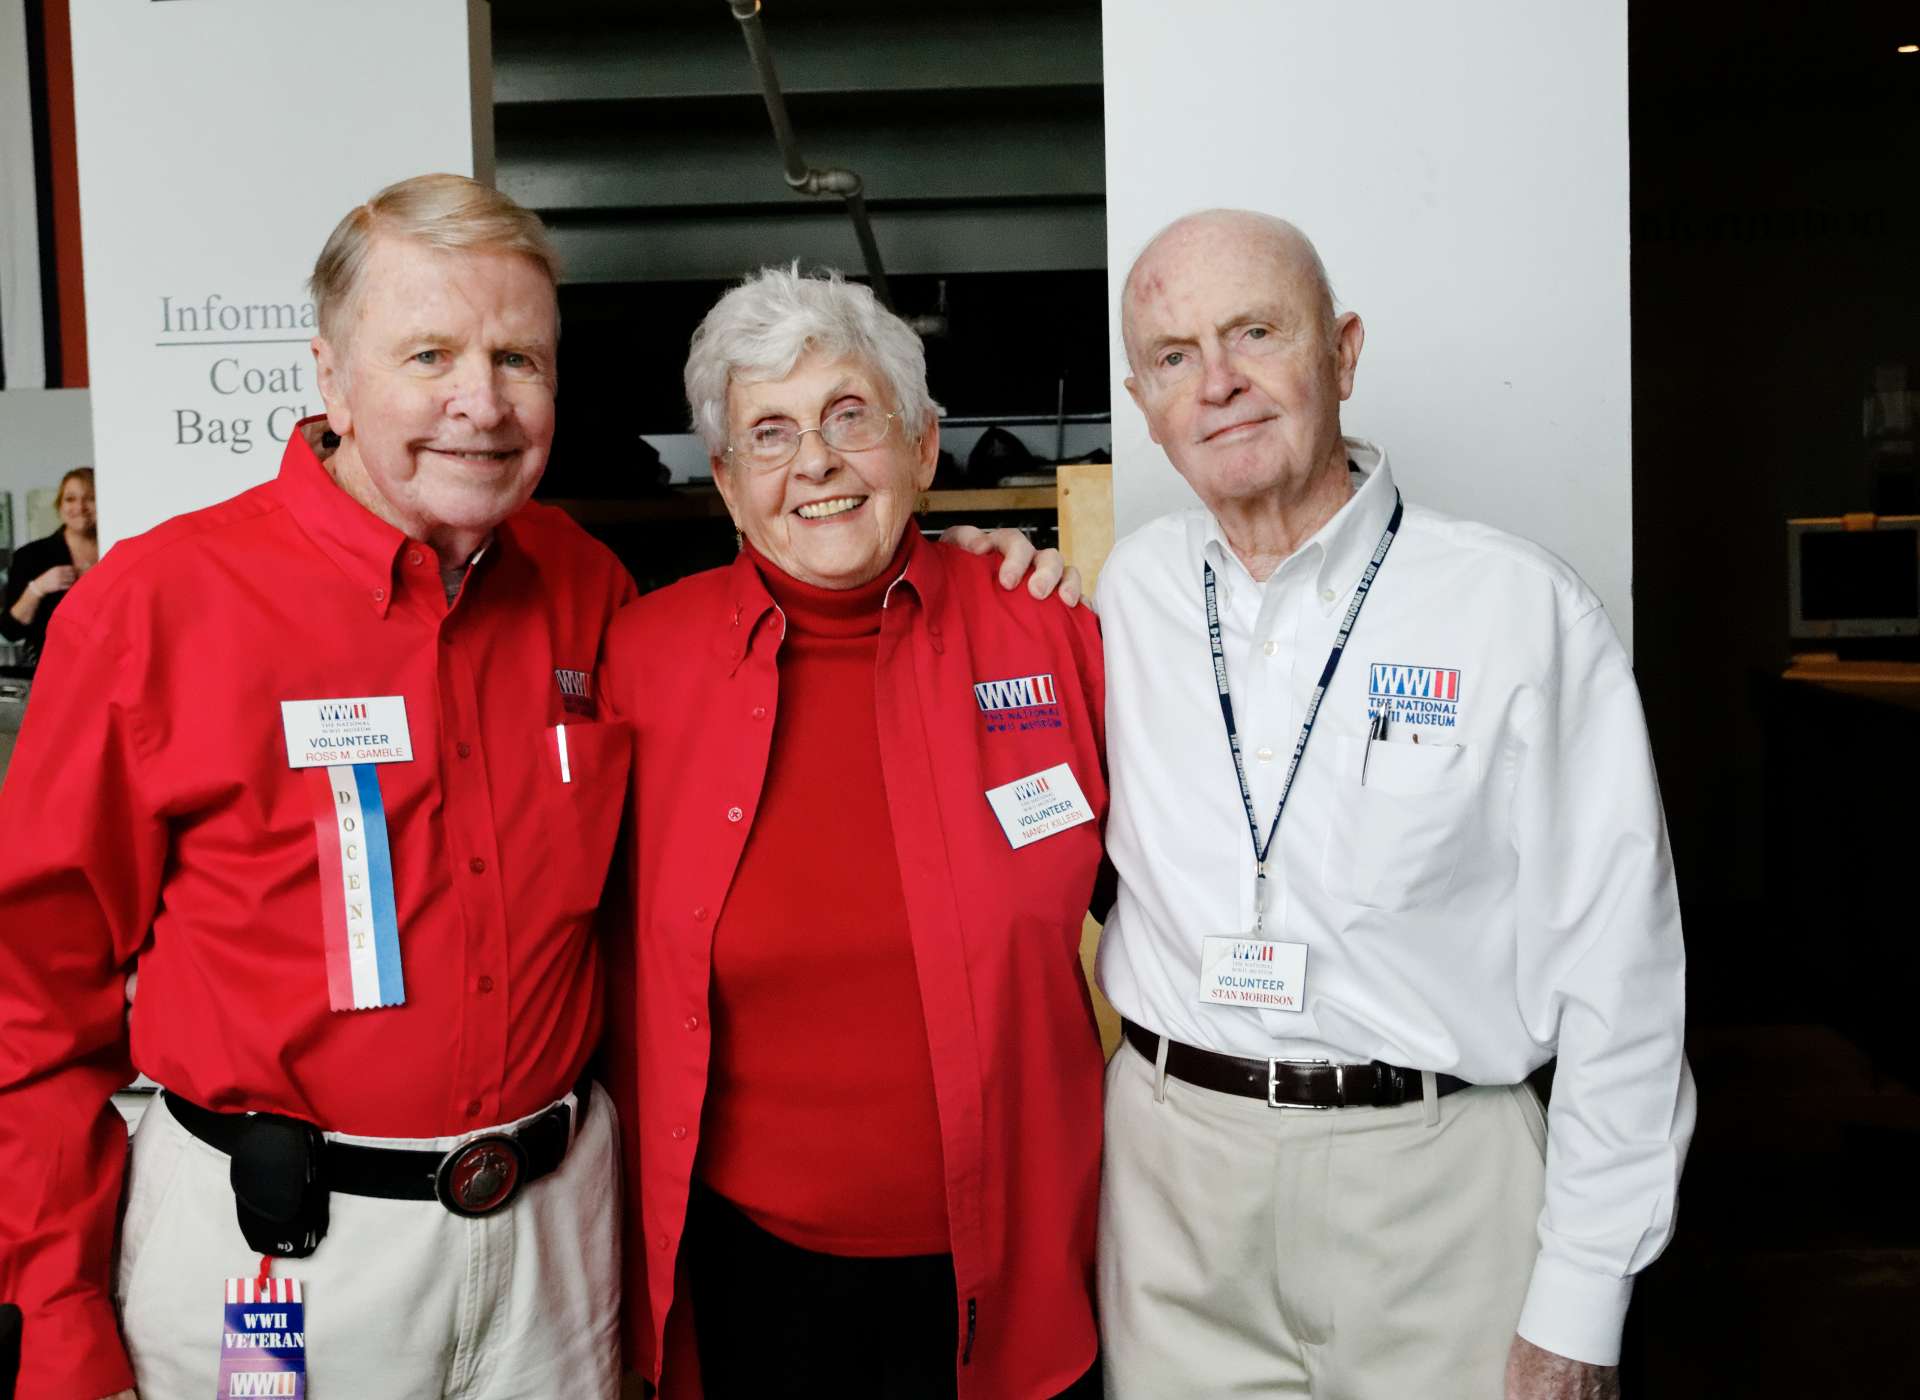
(829,518)
(76,507)
(1234,366)
(443,394)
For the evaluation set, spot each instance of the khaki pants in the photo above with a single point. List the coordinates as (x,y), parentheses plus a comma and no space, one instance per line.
(1353,1254)
(403,1299)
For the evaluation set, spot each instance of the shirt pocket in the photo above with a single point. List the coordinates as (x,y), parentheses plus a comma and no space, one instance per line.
(584,786)
(1393,841)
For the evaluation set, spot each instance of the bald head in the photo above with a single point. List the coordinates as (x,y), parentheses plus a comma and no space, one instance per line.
(1199,239)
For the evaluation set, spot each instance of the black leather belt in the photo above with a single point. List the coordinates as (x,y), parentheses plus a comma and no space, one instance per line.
(476,1177)
(1291,1083)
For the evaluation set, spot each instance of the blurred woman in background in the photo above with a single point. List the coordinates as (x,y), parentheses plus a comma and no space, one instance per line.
(43,570)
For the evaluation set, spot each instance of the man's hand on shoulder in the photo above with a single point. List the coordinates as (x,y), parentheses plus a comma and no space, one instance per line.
(1534,1373)
(1050,571)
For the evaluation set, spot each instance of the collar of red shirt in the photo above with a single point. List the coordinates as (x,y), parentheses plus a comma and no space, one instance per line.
(748,605)
(360,543)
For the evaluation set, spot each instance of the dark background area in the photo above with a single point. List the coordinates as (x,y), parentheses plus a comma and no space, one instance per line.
(1775,223)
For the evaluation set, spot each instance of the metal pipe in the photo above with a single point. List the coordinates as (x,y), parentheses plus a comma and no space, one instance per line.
(801,177)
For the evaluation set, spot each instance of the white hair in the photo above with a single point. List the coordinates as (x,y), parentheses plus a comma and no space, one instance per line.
(762,328)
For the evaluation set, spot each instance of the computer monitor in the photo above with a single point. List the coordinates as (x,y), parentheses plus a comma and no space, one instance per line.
(1853,577)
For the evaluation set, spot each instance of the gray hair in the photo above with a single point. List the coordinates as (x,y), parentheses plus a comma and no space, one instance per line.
(442,211)
(762,328)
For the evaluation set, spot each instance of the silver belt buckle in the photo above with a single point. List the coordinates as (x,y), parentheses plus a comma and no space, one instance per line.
(1273,1084)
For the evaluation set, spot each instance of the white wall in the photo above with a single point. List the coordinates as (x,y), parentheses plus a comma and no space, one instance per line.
(219,143)
(1462,167)
(43,433)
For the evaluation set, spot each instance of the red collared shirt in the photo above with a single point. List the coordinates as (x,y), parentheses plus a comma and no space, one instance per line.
(995,931)
(151,820)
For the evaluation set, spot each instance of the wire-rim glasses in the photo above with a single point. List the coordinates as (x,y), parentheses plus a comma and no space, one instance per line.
(771,445)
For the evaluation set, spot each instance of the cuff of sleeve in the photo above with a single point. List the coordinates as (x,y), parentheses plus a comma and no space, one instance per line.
(72,1349)
(1574,1312)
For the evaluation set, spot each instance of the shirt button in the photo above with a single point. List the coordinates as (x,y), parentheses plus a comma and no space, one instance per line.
(379,595)
(1264,755)
(679,1132)
(1326,595)
(734,814)
(1271,648)
(700,913)
(693,1023)
(477,866)
(413,557)
(486,985)
(473,1108)
(759,711)
(664,1242)
(464,749)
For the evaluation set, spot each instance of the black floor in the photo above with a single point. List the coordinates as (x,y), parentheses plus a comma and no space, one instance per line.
(1795,1271)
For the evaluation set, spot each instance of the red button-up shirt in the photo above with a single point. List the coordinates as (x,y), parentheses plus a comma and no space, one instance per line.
(995,931)
(151,820)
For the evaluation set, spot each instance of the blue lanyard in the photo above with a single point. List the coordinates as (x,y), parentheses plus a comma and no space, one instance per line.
(1360,591)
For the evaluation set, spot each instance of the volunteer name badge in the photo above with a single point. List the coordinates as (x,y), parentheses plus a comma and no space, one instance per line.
(1254,972)
(1040,805)
(342,744)
(326,733)
(263,1338)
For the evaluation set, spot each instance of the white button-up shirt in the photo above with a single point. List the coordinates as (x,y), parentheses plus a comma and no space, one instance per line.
(1494,894)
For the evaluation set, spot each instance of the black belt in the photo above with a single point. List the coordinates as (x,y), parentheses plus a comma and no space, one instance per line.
(476,1177)
(1291,1083)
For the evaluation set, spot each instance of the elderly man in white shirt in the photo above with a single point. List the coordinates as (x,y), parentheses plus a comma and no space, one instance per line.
(1389,839)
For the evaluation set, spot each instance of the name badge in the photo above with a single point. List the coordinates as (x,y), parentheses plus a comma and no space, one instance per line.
(1039,805)
(330,733)
(1254,972)
(263,1338)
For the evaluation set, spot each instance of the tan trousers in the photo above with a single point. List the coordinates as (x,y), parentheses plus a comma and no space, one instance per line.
(403,1299)
(1353,1254)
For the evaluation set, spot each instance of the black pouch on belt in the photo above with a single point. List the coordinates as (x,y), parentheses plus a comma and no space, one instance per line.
(279,1192)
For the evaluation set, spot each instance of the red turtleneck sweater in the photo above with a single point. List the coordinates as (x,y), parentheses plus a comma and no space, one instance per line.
(820,1120)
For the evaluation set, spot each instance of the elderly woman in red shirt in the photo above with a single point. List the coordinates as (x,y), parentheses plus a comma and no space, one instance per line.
(861,1070)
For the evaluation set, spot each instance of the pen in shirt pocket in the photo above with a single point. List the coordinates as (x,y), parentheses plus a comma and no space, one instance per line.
(1376,730)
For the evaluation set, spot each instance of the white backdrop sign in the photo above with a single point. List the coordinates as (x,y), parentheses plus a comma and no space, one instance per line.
(219,143)
(1462,167)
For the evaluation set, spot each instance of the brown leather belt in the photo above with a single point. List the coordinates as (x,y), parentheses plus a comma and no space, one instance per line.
(1290,1083)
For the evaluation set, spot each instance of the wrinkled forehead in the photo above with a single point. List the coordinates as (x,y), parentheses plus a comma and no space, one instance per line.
(816,378)
(1201,272)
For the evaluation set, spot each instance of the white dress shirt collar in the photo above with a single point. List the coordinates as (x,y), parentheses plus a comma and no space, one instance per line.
(1338,551)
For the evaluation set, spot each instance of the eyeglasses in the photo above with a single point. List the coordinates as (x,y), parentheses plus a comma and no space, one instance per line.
(770,446)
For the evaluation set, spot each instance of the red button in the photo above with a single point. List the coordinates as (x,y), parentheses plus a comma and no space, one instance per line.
(664,1242)
(379,595)
(680,1133)
(759,711)
(734,814)
(413,557)
(465,750)
(473,1108)
(486,985)
(693,1023)
(700,912)
(477,866)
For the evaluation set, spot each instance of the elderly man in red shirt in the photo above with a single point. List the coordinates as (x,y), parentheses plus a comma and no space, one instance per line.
(323,765)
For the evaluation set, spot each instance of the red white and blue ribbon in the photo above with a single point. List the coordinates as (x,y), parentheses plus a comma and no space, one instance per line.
(358,922)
